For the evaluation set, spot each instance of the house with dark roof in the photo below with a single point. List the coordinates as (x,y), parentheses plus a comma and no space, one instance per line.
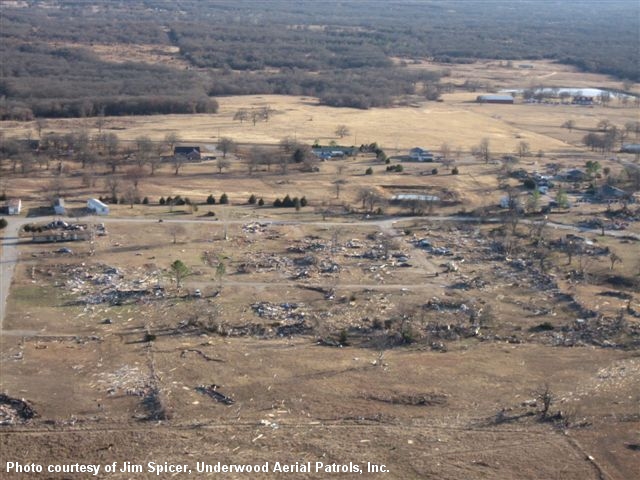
(418,154)
(608,192)
(190,152)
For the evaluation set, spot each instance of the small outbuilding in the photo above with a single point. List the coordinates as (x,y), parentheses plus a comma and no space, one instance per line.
(505,99)
(14,206)
(97,207)
(59,207)
(630,148)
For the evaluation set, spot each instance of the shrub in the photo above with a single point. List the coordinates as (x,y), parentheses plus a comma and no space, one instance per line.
(224,199)
(261,202)
(434,171)
(162,201)
(455,171)
(398,168)
(145,201)
(4,223)
(529,184)
(252,199)
(211,200)
(369,171)
(303,202)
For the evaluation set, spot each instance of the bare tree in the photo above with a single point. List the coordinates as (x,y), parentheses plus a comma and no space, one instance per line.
(55,189)
(131,195)
(255,158)
(100,121)
(569,125)
(222,163)
(546,399)
(265,113)
(283,160)
(241,115)
(41,124)
(342,131)
(369,198)
(604,125)
(483,150)
(256,115)
(338,185)
(226,145)
(135,175)
(172,139)
(112,185)
(111,144)
(614,258)
(144,149)
(524,149)
(288,145)
(445,151)
(176,230)
(178,162)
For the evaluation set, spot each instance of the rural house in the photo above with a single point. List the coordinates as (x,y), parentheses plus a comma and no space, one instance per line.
(190,152)
(582,100)
(505,99)
(97,207)
(574,175)
(14,206)
(608,192)
(418,154)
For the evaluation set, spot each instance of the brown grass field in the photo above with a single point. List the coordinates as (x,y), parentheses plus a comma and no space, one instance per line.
(334,337)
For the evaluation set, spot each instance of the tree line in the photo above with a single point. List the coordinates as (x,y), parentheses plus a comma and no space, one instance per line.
(339,52)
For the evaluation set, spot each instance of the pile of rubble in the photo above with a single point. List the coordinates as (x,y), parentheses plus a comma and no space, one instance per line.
(600,331)
(265,262)
(14,410)
(126,380)
(96,284)
(255,227)
(286,318)
(282,311)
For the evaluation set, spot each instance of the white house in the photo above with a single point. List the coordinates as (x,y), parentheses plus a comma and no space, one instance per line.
(14,206)
(58,206)
(418,154)
(97,207)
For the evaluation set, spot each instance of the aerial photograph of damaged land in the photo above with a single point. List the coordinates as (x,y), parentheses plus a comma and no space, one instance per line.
(320,239)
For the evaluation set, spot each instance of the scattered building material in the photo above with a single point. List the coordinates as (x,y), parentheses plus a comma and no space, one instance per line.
(212,391)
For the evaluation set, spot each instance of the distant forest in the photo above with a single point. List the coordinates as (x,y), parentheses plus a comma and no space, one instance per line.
(338,51)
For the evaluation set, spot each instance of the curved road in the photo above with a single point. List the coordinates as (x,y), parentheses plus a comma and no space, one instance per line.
(10,254)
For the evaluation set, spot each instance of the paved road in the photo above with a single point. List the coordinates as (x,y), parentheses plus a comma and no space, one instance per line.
(8,261)
(10,252)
